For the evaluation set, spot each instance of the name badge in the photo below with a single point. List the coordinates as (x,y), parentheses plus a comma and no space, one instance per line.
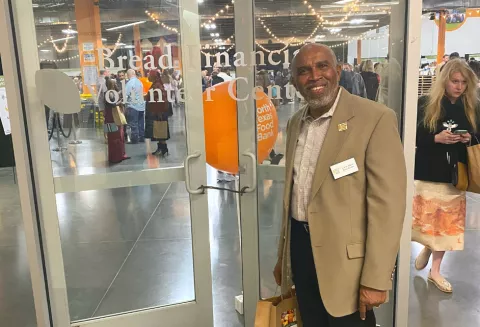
(344,168)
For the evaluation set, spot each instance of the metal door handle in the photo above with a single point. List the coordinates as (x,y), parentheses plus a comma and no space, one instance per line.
(253,187)
(194,155)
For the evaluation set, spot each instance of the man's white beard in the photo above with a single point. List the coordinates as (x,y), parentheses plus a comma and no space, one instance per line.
(321,102)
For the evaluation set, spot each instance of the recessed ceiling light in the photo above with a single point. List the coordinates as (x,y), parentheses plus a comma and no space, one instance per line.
(45,50)
(69,31)
(357,21)
(63,39)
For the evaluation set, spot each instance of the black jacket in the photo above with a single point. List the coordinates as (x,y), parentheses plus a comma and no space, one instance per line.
(371,84)
(431,163)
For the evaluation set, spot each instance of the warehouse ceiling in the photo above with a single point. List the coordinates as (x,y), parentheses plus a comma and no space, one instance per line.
(282,19)
(276,20)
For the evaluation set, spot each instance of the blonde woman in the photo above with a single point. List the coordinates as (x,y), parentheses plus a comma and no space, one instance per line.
(447,118)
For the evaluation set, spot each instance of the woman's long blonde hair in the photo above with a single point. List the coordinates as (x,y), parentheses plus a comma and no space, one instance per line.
(433,110)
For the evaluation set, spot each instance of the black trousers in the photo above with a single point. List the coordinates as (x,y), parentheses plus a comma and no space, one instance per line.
(310,302)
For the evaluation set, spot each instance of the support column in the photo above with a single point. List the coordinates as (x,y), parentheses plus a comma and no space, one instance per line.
(359,52)
(138,47)
(442,29)
(89,36)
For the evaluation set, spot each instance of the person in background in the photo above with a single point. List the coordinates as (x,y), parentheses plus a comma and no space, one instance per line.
(285,82)
(101,88)
(120,79)
(176,80)
(115,140)
(439,209)
(454,55)
(263,80)
(180,87)
(370,78)
(135,107)
(475,66)
(225,74)
(215,78)
(167,84)
(340,233)
(80,84)
(279,82)
(445,59)
(157,110)
(352,81)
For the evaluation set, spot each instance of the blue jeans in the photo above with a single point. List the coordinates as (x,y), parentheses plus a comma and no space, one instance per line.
(136,121)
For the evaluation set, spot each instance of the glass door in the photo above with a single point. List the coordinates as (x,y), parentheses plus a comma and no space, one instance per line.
(124,230)
(368,38)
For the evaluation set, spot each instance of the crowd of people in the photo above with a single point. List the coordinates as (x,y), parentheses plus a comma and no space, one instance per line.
(133,119)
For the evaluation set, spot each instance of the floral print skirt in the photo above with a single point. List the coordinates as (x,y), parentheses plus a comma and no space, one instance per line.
(439,211)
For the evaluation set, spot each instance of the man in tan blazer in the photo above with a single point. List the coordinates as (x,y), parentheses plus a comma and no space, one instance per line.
(344,202)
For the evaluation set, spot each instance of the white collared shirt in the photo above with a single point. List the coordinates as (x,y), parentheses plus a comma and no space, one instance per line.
(309,144)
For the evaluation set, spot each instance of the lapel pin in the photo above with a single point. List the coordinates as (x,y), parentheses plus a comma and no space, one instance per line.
(342,127)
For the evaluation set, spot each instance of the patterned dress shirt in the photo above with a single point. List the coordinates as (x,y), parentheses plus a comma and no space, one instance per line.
(309,144)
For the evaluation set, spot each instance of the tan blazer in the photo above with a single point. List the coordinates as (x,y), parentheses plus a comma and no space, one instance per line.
(355,221)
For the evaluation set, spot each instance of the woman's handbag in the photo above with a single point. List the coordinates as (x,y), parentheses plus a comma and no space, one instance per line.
(460,176)
(473,153)
(110,128)
(459,171)
(278,311)
(160,129)
(118,116)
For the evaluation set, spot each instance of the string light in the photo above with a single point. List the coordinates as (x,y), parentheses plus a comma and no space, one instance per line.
(340,44)
(119,39)
(64,48)
(206,53)
(152,17)
(49,40)
(267,50)
(61,60)
(217,15)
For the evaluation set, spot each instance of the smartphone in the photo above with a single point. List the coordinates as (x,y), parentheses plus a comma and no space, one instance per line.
(460,132)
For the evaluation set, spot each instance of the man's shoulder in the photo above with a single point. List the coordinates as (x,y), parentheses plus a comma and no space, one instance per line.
(365,108)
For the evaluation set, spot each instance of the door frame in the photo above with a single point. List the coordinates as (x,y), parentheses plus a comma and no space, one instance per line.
(38,187)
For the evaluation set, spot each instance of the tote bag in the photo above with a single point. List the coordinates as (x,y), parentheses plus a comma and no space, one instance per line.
(160,129)
(279,311)
(118,117)
(473,153)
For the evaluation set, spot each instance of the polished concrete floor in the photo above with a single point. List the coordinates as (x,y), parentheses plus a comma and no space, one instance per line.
(130,248)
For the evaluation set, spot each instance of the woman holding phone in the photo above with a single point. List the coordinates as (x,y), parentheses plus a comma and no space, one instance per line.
(447,119)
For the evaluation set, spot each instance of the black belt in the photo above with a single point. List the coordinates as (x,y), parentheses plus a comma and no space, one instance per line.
(304,224)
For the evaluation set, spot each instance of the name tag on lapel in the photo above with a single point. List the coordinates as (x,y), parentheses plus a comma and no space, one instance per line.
(344,168)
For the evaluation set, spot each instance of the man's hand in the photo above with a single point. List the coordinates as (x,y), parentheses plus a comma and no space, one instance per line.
(277,272)
(368,299)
